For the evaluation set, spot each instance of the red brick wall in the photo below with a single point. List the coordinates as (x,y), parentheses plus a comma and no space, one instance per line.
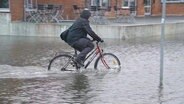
(140,7)
(17,11)
(175,9)
(16,8)
(156,8)
(171,8)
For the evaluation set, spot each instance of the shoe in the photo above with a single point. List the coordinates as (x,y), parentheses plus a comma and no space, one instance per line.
(79,62)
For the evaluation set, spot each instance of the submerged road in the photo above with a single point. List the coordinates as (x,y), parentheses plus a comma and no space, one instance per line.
(24,78)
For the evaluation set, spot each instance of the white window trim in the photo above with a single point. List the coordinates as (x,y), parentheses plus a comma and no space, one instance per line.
(5,10)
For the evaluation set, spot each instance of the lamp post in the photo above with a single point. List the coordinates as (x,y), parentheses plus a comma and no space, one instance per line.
(162,42)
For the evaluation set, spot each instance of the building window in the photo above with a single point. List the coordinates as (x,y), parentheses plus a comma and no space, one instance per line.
(4,6)
(128,3)
(103,3)
(125,3)
(95,2)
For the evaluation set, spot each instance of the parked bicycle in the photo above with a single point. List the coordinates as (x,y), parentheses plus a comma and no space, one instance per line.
(66,62)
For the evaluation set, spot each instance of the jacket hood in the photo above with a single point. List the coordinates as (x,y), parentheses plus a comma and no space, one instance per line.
(85,14)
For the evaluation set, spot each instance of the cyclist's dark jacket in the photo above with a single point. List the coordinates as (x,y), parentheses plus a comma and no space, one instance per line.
(81,28)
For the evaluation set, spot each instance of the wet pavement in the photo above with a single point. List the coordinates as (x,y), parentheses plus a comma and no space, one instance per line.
(24,78)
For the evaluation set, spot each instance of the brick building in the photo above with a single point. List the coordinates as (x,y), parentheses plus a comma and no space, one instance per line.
(141,7)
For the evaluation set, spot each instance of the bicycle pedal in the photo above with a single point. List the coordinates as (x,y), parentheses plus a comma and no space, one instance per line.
(63,69)
(80,65)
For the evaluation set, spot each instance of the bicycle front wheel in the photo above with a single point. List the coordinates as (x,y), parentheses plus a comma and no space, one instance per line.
(107,61)
(62,63)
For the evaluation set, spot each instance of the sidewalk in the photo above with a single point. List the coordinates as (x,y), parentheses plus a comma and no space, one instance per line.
(140,20)
(152,20)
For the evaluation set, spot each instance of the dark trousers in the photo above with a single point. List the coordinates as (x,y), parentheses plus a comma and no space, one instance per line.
(84,46)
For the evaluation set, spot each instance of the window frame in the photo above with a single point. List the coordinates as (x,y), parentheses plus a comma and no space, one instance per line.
(103,1)
(123,6)
(100,3)
(5,10)
(129,4)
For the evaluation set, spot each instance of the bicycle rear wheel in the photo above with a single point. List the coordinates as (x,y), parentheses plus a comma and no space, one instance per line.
(62,63)
(107,61)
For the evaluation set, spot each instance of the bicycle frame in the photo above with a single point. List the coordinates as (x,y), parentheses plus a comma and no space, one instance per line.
(94,54)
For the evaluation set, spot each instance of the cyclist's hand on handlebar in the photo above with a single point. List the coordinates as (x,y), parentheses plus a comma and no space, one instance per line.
(101,41)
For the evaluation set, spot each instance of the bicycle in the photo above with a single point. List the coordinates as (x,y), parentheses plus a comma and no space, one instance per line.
(65,62)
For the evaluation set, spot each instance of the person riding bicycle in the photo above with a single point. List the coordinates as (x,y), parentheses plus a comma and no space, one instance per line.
(77,36)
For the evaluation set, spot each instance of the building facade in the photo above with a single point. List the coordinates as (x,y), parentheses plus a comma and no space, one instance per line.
(141,7)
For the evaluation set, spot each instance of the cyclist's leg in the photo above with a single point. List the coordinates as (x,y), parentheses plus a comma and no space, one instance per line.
(84,46)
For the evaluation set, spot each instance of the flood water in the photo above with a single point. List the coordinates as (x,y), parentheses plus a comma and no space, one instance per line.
(24,78)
